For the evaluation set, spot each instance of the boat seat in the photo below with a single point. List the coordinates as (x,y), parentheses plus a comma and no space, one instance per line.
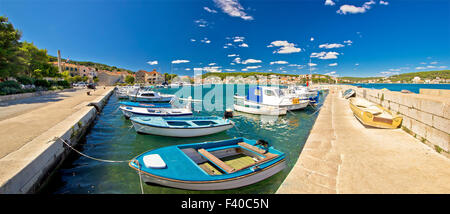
(154,161)
(256,149)
(216,161)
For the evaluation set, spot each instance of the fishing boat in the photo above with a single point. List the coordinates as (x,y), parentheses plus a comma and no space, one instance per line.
(371,114)
(272,96)
(146,105)
(129,111)
(218,165)
(181,126)
(348,93)
(150,96)
(254,108)
(304,93)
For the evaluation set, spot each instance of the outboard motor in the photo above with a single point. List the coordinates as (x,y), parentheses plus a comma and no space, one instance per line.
(264,144)
(228,114)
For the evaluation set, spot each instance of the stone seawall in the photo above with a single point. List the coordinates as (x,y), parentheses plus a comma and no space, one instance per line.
(31,165)
(426,116)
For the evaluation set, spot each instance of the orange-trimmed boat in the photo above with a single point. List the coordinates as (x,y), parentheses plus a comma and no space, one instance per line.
(374,115)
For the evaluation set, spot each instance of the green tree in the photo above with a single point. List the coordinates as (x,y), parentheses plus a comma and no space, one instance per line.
(129,79)
(9,47)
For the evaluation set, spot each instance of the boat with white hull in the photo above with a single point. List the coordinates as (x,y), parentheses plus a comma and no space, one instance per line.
(150,96)
(129,111)
(273,97)
(181,126)
(218,165)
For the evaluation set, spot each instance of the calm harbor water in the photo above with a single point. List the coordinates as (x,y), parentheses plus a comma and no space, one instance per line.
(112,137)
(415,88)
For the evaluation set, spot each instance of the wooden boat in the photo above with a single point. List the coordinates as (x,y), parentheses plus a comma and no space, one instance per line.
(274,97)
(129,111)
(181,126)
(215,165)
(150,96)
(374,115)
(348,93)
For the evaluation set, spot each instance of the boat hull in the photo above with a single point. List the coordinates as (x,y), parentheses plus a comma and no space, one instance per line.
(129,114)
(368,119)
(233,183)
(153,99)
(263,111)
(179,132)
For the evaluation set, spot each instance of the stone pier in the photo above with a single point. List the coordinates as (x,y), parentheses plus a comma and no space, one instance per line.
(342,156)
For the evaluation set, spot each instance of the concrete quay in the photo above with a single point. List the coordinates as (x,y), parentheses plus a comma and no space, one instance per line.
(28,127)
(342,156)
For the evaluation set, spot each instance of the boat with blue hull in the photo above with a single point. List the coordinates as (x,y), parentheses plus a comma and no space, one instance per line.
(218,165)
(181,126)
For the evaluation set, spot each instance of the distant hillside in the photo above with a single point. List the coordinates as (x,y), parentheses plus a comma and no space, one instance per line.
(96,65)
(444,74)
(355,79)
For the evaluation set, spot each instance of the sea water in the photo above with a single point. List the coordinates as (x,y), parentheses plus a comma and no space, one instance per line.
(112,137)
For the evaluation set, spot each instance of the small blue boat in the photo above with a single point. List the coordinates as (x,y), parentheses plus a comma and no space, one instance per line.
(215,165)
(181,126)
(146,105)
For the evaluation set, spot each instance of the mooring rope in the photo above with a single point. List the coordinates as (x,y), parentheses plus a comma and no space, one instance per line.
(104,160)
(87,156)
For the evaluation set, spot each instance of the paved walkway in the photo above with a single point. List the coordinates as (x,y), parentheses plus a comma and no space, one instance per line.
(342,156)
(23,120)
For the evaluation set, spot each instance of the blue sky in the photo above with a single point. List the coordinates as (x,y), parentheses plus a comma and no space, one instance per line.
(343,38)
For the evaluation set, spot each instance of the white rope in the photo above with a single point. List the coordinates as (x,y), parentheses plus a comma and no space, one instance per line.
(97,159)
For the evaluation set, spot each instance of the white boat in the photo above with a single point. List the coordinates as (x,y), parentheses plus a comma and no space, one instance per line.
(129,111)
(273,97)
(254,108)
(181,126)
(150,96)
(302,92)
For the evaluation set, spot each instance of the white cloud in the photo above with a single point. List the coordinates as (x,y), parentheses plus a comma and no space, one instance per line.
(333,73)
(344,9)
(420,68)
(431,66)
(325,55)
(443,66)
(312,39)
(187,69)
(230,69)
(243,45)
(232,55)
(348,42)
(238,39)
(329,46)
(279,62)
(213,63)
(201,23)
(178,61)
(193,40)
(388,73)
(285,47)
(244,69)
(395,69)
(253,67)
(384,2)
(434,63)
(333,64)
(251,61)
(152,62)
(329,2)
(232,8)
(210,10)
(205,40)
(312,64)
(213,69)
(237,60)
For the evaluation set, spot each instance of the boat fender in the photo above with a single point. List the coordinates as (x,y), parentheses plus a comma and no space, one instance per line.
(264,144)
(228,114)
